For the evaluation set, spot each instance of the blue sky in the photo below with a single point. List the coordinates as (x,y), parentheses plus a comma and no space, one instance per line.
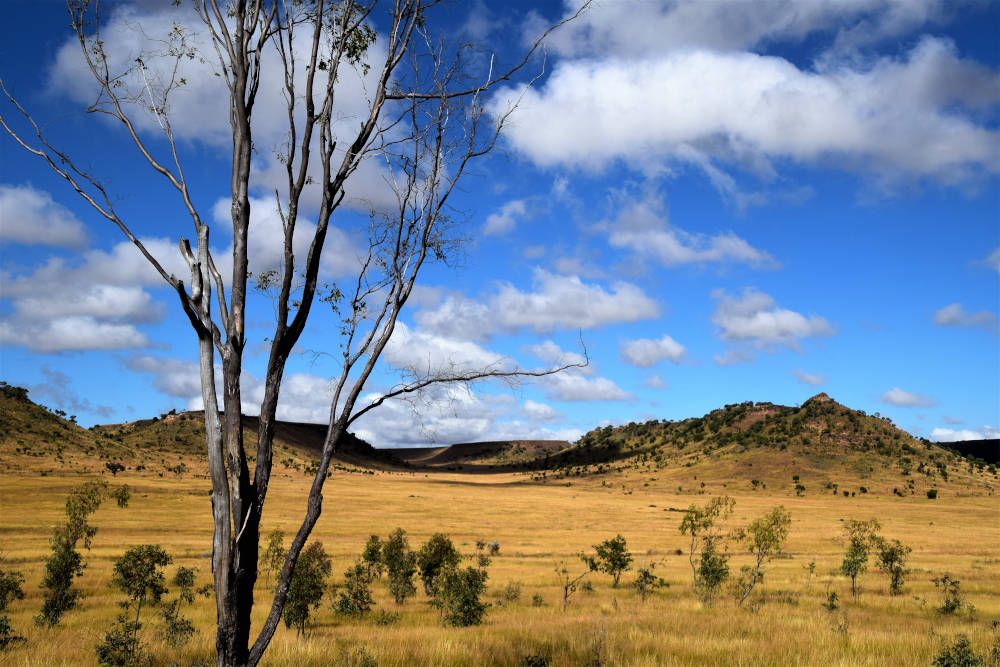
(726,201)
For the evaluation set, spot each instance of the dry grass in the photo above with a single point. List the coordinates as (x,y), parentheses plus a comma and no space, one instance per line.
(538,525)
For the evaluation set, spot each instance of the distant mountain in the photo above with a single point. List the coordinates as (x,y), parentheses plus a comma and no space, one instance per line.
(820,446)
(820,443)
(986,450)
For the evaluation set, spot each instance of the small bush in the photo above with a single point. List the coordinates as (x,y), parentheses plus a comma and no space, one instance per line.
(305,591)
(384,617)
(932,494)
(537,600)
(400,564)
(354,598)
(958,654)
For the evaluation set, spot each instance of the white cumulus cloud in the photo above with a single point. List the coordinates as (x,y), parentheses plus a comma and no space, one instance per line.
(647,352)
(906,399)
(31,217)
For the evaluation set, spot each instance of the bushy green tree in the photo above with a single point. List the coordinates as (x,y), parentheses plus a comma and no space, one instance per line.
(274,555)
(764,538)
(138,573)
(951,594)
(458,594)
(958,654)
(177,628)
(891,556)
(646,582)
(371,557)
(702,524)
(612,557)
(354,598)
(11,588)
(861,537)
(713,568)
(434,557)
(65,563)
(305,590)
(400,565)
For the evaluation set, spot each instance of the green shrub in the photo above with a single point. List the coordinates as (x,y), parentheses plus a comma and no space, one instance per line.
(305,590)
(958,654)
(434,557)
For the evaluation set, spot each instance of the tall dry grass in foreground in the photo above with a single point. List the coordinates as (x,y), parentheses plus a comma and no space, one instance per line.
(537,526)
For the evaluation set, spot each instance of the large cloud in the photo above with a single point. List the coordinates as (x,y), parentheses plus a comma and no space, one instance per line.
(555,302)
(199,109)
(916,116)
(641,226)
(637,28)
(754,317)
(31,217)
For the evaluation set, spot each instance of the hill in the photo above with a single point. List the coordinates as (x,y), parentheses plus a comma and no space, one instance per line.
(479,456)
(173,442)
(818,446)
(986,450)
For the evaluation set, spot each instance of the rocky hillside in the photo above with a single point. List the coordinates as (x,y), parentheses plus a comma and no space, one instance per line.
(820,446)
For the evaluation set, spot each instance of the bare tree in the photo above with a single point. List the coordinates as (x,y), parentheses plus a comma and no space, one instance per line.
(425,122)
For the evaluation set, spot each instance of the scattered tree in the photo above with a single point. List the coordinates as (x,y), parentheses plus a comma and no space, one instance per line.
(569,581)
(764,538)
(436,556)
(305,592)
(458,595)
(139,575)
(400,565)
(114,468)
(713,568)
(861,536)
(274,554)
(646,582)
(177,628)
(701,524)
(958,654)
(951,594)
(65,563)
(371,556)
(612,557)
(424,122)
(891,556)
(354,598)
(11,588)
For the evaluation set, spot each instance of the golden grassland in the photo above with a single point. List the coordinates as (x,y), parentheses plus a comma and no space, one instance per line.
(537,526)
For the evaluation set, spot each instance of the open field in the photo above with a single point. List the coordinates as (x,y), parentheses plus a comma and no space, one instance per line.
(538,525)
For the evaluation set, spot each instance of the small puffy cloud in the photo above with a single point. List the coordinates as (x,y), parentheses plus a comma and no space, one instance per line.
(57,390)
(954,315)
(568,302)
(953,435)
(647,352)
(655,382)
(31,217)
(572,386)
(733,357)
(427,354)
(553,355)
(993,261)
(905,399)
(173,377)
(540,411)
(504,220)
(811,379)
(952,420)
(754,317)
(641,226)
(555,302)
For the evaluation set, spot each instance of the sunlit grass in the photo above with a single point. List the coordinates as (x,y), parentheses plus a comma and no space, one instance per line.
(537,526)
